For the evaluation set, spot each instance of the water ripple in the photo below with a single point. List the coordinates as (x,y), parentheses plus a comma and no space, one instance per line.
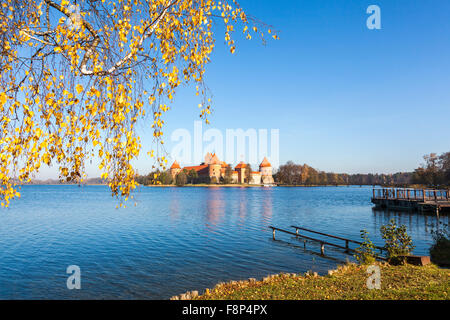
(175,239)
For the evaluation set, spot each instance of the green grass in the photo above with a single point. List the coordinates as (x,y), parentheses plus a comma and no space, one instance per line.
(406,282)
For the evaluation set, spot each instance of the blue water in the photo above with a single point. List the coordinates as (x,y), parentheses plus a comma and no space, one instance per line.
(176,239)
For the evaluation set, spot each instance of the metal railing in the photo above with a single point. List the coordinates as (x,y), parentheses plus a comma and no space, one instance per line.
(322,243)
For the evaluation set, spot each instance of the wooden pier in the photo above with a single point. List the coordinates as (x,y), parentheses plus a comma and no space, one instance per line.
(422,200)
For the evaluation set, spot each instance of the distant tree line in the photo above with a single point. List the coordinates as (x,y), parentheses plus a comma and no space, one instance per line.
(89,181)
(435,171)
(297,174)
(155,177)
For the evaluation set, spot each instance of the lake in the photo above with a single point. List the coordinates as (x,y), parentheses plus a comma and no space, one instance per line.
(177,239)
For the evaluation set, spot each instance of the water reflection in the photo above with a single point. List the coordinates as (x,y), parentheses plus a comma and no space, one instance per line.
(215,206)
(174,206)
(267,204)
(414,221)
(243,203)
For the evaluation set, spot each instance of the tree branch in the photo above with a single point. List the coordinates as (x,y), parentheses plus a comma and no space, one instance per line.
(90,50)
(147,32)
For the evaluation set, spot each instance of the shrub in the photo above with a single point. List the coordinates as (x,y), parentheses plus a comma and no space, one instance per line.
(213,180)
(181,179)
(165,178)
(397,241)
(365,253)
(440,250)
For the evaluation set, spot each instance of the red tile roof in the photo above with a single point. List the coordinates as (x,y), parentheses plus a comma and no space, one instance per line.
(241,165)
(265,163)
(215,159)
(208,158)
(197,168)
(175,165)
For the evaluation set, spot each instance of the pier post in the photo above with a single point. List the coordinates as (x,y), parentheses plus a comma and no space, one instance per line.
(346,245)
(322,248)
(273,234)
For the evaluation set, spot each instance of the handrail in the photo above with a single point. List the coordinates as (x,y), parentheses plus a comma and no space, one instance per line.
(331,236)
(322,242)
(411,194)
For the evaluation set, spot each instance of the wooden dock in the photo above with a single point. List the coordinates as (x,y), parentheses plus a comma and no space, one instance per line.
(422,200)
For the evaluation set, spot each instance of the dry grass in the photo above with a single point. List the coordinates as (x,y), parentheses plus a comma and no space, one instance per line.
(406,282)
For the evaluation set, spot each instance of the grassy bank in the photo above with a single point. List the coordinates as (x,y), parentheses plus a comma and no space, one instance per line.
(347,282)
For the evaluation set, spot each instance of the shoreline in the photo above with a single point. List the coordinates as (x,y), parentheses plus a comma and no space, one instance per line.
(347,282)
(205,185)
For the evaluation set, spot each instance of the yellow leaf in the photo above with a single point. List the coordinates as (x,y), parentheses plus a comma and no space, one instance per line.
(79,88)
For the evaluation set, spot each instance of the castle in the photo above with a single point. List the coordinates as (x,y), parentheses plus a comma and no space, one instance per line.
(212,169)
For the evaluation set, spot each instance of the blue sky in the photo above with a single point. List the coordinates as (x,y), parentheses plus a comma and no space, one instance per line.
(345,98)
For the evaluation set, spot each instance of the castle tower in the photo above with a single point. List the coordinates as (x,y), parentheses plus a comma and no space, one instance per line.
(208,158)
(255,177)
(223,168)
(214,166)
(241,169)
(175,169)
(266,172)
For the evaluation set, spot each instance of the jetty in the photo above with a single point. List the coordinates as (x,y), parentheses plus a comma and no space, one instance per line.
(421,200)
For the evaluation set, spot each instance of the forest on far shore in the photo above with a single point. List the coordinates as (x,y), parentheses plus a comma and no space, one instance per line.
(435,172)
